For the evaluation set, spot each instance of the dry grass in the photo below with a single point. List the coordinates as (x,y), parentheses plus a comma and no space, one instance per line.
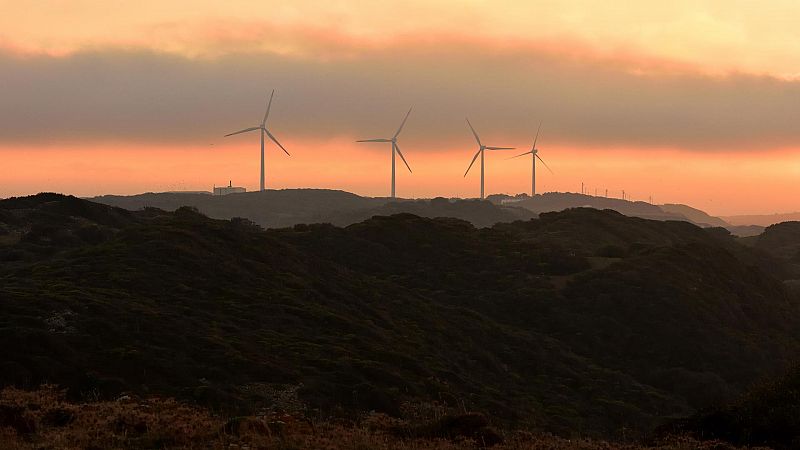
(43,419)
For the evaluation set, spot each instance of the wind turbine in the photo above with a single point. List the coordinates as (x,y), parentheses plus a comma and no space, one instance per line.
(481,149)
(534,152)
(263,128)
(395,147)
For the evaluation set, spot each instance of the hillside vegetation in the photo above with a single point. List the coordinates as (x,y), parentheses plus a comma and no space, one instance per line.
(582,322)
(767,415)
(781,241)
(43,418)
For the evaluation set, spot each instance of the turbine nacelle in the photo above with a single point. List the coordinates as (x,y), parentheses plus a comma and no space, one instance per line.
(481,148)
(264,130)
(534,152)
(395,147)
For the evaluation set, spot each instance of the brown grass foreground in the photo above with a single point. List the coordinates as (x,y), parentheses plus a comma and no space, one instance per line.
(44,419)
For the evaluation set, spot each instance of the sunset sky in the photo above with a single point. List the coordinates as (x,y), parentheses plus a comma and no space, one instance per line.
(693,102)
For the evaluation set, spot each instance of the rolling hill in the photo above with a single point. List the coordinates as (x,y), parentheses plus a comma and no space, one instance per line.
(581,322)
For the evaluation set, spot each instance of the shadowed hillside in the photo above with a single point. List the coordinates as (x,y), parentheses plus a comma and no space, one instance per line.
(581,322)
(783,242)
(767,415)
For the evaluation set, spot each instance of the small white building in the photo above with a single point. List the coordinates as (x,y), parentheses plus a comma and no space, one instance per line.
(229,189)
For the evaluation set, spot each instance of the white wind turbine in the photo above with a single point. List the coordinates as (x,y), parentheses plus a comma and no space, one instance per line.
(263,128)
(480,152)
(534,152)
(395,147)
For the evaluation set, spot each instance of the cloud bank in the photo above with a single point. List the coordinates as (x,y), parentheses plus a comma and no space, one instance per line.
(363,90)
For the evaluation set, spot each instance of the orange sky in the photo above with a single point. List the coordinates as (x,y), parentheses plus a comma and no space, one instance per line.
(720,184)
(687,101)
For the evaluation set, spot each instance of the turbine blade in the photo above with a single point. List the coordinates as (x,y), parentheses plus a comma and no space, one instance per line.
(474,133)
(403,123)
(375,140)
(243,131)
(545,164)
(500,148)
(473,162)
(537,136)
(276,141)
(269,105)
(397,147)
(521,154)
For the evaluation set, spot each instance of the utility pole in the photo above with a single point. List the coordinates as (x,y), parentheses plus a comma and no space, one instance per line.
(623,194)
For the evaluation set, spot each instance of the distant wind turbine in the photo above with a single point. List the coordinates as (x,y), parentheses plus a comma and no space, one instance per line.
(534,152)
(480,151)
(395,147)
(263,128)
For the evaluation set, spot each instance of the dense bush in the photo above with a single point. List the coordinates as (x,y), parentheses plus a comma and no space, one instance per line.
(520,320)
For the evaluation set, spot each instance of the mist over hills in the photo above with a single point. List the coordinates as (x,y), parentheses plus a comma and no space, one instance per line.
(287,207)
(559,201)
(763,220)
(578,322)
(697,216)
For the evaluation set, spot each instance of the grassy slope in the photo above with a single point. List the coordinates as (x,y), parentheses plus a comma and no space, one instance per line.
(522,320)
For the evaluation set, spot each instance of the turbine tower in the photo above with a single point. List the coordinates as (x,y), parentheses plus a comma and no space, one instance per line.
(534,152)
(481,149)
(395,147)
(263,128)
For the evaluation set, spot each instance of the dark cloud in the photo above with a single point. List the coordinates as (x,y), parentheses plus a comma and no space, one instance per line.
(149,97)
